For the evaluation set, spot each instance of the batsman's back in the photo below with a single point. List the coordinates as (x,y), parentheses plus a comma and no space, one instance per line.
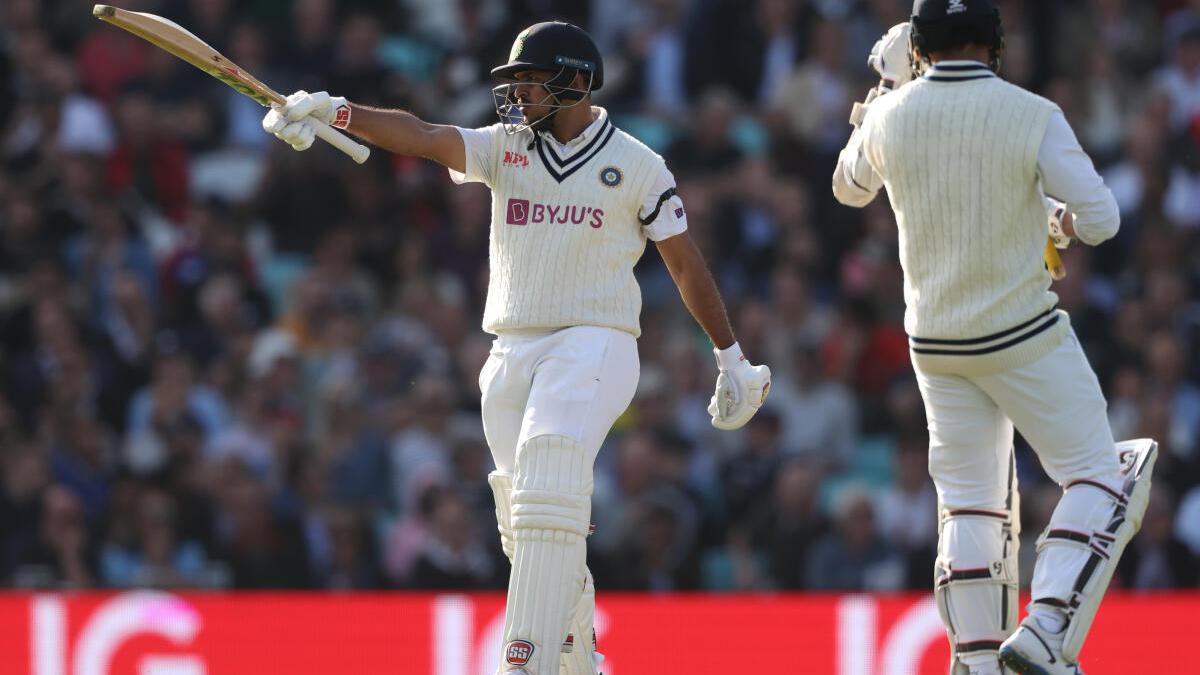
(959,160)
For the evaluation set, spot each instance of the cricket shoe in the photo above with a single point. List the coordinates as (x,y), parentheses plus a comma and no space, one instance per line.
(1035,651)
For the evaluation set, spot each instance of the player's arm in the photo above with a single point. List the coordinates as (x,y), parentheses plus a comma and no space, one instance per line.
(741,387)
(697,288)
(396,131)
(1069,176)
(403,133)
(855,182)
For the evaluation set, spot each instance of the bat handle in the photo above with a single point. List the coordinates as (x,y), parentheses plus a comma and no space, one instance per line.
(357,151)
(1054,262)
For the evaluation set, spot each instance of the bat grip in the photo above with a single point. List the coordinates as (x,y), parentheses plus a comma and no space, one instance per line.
(357,151)
(1054,262)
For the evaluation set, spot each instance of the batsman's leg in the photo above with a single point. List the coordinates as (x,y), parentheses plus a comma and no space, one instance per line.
(971,463)
(1077,555)
(584,378)
(1057,404)
(578,653)
(551,507)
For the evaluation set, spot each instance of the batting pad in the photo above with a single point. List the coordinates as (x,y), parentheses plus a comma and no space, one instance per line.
(1087,534)
(976,583)
(579,657)
(551,506)
(502,492)
(579,648)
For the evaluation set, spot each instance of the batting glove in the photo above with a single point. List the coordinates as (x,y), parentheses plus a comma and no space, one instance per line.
(890,57)
(741,389)
(292,122)
(1058,214)
(300,135)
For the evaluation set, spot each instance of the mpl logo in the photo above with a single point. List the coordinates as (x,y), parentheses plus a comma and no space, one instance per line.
(515,159)
(525,212)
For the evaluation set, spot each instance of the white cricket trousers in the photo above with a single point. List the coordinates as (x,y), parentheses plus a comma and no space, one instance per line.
(572,382)
(549,399)
(1056,404)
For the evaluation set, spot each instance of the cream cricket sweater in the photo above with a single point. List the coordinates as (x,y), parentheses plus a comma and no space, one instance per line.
(566,231)
(958,153)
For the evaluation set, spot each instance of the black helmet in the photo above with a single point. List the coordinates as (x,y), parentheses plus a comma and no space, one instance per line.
(554,46)
(564,49)
(938,25)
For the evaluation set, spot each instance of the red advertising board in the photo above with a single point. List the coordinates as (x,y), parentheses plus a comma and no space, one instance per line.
(148,633)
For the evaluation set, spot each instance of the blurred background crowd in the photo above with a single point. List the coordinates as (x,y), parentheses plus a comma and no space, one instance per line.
(225,364)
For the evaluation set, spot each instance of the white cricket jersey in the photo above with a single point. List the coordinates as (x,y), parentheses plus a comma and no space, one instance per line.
(569,222)
(959,153)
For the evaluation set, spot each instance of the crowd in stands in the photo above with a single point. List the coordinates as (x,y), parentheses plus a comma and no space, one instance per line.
(226,364)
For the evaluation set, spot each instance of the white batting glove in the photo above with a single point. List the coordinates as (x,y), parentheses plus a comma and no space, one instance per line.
(741,389)
(890,57)
(332,110)
(300,135)
(1058,215)
(292,122)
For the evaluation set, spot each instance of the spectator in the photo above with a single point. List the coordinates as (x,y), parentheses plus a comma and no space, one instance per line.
(263,550)
(787,525)
(820,415)
(854,556)
(158,557)
(908,511)
(1156,559)
(749,474)
(453,556)
(64,556)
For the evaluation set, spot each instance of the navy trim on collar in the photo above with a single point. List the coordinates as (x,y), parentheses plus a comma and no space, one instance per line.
(957,79)
(550,159)
(960,66)
(958,71)
(562,162)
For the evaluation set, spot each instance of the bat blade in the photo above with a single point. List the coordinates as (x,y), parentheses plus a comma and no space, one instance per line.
(177,40)
(171,37)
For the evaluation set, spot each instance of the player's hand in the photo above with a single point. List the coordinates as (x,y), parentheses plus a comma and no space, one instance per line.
(741,389)
(890,57)
(332,110)
(1061,225)
(291,122)
(300,135)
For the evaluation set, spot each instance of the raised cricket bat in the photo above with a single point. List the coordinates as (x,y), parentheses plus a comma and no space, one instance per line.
(170,36)
(1054,262)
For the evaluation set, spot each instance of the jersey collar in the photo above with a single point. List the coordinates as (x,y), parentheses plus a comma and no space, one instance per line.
(958,71)
(561,160)
(583,138)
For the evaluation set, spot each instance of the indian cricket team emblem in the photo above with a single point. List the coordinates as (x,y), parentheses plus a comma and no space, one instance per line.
(955,7)
(611,176)
(518,652)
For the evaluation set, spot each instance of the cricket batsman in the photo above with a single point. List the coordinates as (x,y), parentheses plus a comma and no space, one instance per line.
(968,161)
(574,200)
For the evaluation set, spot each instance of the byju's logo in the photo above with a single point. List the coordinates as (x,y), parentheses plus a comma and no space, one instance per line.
(524,212)
(518,211)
